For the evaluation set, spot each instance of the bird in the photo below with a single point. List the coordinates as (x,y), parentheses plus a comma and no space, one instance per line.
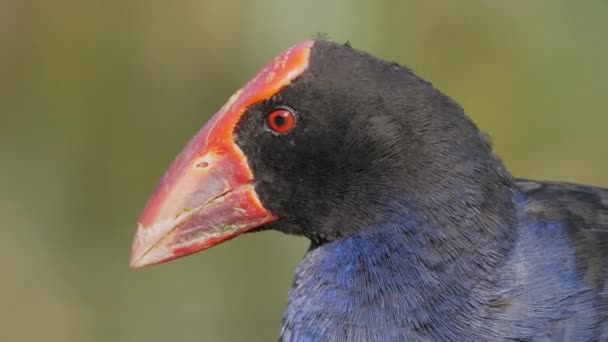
(417,230)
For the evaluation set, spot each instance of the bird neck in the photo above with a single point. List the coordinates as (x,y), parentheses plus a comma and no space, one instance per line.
(404,267)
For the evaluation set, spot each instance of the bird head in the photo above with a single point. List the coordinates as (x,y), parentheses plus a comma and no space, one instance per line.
(325,141)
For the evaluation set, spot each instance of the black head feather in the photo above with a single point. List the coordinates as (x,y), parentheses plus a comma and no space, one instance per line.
(372,140)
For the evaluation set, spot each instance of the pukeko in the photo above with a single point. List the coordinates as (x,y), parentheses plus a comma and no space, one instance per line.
(417,231)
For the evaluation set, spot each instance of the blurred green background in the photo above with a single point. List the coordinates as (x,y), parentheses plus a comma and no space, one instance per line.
(97,97)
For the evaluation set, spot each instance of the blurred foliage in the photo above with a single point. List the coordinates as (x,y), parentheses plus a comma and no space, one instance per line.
(97,97)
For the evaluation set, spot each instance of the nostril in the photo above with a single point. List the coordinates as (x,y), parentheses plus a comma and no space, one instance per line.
(202,165)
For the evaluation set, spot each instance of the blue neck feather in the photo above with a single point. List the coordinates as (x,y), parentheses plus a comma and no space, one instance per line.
(395,278)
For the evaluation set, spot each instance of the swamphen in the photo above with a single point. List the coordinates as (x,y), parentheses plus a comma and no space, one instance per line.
(417,230)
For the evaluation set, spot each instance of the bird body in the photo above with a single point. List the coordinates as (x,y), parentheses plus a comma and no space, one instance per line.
(549,286)
(418,232)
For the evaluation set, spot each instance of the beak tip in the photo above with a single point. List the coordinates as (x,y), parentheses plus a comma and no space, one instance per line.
(137,263)
(137,259)
(137,250)
(134,264)
(148,246)
(140,253)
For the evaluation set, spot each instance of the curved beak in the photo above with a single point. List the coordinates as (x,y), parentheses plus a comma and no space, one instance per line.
(207,196)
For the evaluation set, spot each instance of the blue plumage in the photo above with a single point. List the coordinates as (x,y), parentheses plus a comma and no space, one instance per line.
(374,287)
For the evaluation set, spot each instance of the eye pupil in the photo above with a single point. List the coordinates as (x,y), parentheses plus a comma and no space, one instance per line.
(280,120)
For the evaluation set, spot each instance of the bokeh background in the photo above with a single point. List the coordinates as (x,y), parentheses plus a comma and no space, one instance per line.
(97,97)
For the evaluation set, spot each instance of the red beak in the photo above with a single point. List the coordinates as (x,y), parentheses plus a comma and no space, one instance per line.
(207,196)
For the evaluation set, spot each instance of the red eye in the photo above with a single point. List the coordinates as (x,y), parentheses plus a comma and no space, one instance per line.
(280,120)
